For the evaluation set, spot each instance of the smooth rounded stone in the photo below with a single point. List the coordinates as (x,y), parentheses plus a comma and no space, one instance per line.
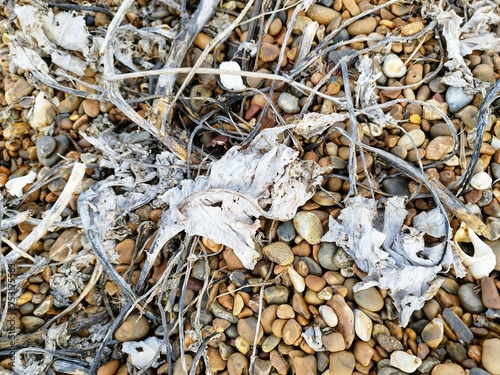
(322,361)
(279,252)
(320,14)
(396,186)
(352,7)
(469,299)
(342,363)
(269,343)
(365,25)
(404,361)
(304,365)
(495,170)
(428,364)
(286,231)
(458,97)
(481,181)
(495,246)
(337,55)
(478,371)
(342,36)
(439,147)
(276,295)
(342,259)
(68,243)
(237,364)
(298,281)
(440,129)
(16,130)
(312,266)
(363,325)
(261,367)
(247,328)
(269,52)
(204,317)
(44,306)
(393,66)
(493,226)
(300,306)
(50,148)
(416,136)
(326,256)
(489,293)
(389,371)
(291,331)
(363,353)
(288,103)
(30,324)
(308,226)
(337,163)
(484,72)
(491,350)
(315,283)
(400,152)
(369,299)
(437,86)
(44,112)
(412,28)
(19,90)
(91,107)
(456,351)
(221,312)
(333,342)
(328,315)
(458,326)
(134,328)
(448,369)
(389,343)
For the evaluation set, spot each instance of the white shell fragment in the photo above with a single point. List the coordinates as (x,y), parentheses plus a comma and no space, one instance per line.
(141,353)
(481,181)
(15,185)
(483,262)
(230,81)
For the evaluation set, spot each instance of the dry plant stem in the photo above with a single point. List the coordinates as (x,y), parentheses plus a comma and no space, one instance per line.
(183,40)
(194,69)
(16,219)
(96,274)
(458,209)
(53,214)
(114,24)
(306,41)
(23,340)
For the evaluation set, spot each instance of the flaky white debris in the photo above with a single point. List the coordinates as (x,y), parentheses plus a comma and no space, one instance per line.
(141,353)
(394,255)
(15,185)
(314,123)
(230,81)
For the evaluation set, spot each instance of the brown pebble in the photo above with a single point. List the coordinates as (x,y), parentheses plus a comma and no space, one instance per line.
(448,369)
(489,293)
(91,107)
(109,368)
(269,52)
(363,26)
(134,328)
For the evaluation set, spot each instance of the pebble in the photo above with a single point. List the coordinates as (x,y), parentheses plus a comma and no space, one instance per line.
(404,361)
(458,326)
(352,7)
(68,243)
(308,226)
(291,332)
(439,147)
(393,66)
(414,74)
(326,256)
(481,181)
(215,360)
(286,231)
(478,371)
(366,26)
(429,113)
(304,365)
(342,363)
(469,299)
(448,369)
(109,368)
(247,328)
(261,367)
(50,148)
(321,14)
(288,103)
(134,328)
(69,104)
(456,351)
(43,112)
(16,130)
(417,136)
(458,97)
(333,342)
(276,295)
(297,280)
(90,107)
(489,293)
(19,90)
(484,72)
(369,299)
(397,186)
(412,28)
(328,315)
(220,312)
(44,306)
(278,362)
(363,325)
(363,353)
(389,343)
(491,350)
(279,252)
(31,324)
(428,364)
(237,364)
(345,315)
(269,52)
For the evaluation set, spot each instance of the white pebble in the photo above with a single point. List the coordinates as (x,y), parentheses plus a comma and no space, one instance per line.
(328,315)
(393,66)
(481,181)
(363,325)
(405,362)
(298,281)
(230,81)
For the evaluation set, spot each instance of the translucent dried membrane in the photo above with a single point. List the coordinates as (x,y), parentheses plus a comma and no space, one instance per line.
(394,255)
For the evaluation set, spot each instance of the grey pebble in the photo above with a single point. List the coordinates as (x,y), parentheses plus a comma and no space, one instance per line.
(389,343)
(495,170)
(493,225)
(470,300)
(286,231)
(458,326)
(337,163)
(478,371)
(342,259)
(437,86)
(326,254)
(486,198)
(288,103)
(205,318)
(397,186)
(456,351)
(458,97)
(198,270)
(312,266)
(342,36)
(49,148)
(428,364)
(220,312)
(276,295)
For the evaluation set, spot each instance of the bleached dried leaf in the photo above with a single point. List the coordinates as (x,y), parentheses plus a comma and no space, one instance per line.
(15,185)
(313,336)
(141,353)
(394,255)
(314,123)
(67,30)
